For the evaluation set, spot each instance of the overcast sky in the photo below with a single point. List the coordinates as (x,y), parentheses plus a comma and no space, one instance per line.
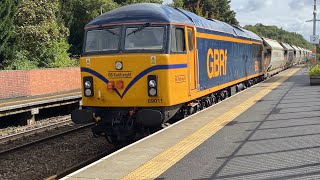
(288,14)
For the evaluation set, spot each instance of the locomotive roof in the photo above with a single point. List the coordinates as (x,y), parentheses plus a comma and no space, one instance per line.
(149,12)
(142,12)
(220,26)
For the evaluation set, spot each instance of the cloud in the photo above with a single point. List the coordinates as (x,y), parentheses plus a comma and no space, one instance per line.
(300,4)
(291,15)
(255,5)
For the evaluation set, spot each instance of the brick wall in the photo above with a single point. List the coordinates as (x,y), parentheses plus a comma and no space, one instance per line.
(14,84)
(40,81)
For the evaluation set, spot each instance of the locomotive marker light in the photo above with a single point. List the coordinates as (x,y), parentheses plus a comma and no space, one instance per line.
(120,84)
(119,65)
(87,92)
(152,92)
(110,86)
(152,85)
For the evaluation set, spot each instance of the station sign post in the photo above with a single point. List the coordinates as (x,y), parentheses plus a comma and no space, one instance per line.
(314,39)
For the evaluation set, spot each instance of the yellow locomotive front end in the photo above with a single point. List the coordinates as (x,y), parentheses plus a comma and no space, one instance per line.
(127,78)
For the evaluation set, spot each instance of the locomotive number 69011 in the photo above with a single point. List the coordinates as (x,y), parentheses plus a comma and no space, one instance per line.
(155,101)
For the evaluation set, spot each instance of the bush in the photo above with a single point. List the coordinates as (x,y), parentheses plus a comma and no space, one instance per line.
(56,55)
(39,39)
(20,61)
(314,71)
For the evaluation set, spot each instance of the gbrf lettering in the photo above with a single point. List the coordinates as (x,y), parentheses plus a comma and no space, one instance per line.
(216,62)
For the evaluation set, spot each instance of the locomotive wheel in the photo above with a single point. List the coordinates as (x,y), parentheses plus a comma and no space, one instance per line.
(190,111)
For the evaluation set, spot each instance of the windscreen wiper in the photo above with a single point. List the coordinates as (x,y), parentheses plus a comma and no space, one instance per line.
(107,29)
(139,28)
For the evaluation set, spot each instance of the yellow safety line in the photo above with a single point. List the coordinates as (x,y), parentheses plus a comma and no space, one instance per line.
(159,164)
(42,98)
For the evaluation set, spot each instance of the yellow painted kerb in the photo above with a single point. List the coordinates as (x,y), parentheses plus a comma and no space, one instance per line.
(159,164)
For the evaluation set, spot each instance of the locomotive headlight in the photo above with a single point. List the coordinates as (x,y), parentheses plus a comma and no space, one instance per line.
(152,83)
(119,65)
(152,91)
(87,84)
(88,92)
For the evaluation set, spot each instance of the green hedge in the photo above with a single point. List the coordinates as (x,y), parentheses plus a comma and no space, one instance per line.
(314,70)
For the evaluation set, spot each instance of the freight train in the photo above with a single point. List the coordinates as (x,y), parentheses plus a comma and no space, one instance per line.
(145,64)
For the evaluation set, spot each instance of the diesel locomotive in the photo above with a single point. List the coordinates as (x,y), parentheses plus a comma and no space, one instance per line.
(145,64)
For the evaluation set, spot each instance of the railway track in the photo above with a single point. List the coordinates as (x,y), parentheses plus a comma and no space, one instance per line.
(82,164)
(65,121)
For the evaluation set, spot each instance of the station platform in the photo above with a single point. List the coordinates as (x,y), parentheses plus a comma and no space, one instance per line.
(269,131)
(23,104)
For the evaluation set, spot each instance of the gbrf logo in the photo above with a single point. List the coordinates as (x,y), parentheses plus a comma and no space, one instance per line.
(217,62)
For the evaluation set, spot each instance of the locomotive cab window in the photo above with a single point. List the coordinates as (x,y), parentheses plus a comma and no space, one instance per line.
(144,38)
(178,40)
(104,39)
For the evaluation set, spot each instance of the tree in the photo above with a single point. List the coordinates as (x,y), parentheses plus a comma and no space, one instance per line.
(278,34)
(75,14)
(8,9)
(126,2)
(225,13)
(216,9)
(177,4)
(39,40)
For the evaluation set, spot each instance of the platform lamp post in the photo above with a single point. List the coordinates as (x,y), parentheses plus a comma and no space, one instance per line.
(314,39)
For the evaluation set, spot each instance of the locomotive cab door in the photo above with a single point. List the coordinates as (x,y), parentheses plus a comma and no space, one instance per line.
(192,64)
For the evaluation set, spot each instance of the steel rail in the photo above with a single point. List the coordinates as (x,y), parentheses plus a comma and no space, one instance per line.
(64,121)
(13,149)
